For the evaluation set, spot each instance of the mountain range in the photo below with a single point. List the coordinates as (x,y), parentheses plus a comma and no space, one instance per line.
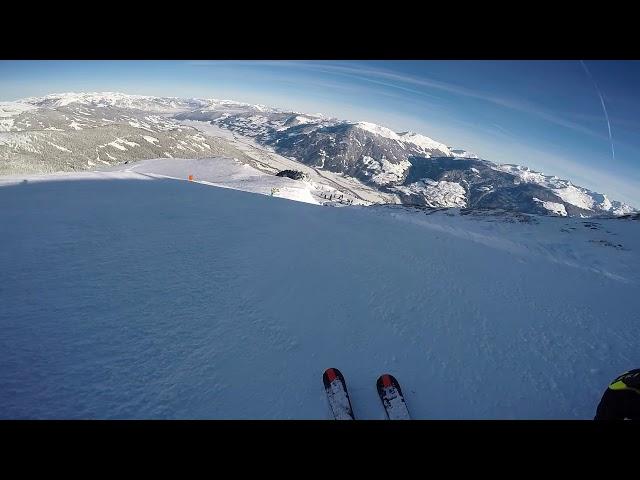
(82,131)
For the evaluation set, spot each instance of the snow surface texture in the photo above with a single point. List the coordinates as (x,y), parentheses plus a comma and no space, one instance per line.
(144,297)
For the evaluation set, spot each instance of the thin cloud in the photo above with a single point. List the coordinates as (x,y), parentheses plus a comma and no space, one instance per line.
(631,125)
(502,130)
(604,108)
(365,74)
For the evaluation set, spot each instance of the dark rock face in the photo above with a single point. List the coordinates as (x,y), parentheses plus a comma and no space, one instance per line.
(294,174)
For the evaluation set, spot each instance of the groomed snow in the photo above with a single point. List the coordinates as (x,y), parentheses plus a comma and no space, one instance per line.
(144,297)
(227,173)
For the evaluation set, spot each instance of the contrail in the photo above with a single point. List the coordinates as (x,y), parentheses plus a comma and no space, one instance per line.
(606,115)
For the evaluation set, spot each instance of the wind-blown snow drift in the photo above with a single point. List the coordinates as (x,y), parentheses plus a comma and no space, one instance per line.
(167,299)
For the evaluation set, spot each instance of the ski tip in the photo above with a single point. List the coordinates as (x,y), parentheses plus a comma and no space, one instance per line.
(330,374)
(387,380)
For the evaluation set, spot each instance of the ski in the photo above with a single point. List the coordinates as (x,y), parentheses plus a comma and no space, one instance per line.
(337,394)
(392,398)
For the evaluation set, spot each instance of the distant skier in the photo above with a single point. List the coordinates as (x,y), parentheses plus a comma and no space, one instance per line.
(621,400)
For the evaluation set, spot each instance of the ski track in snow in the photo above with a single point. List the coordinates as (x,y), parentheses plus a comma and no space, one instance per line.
(126,295)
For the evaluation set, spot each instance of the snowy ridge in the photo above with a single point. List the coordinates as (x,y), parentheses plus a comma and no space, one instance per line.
(378,130)
(422,142)
(575,196)
(525,174)
(463,154)
(426,143)
(580,197)
(115,99)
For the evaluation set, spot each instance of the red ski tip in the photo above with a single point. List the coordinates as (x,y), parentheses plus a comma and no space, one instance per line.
(331,374)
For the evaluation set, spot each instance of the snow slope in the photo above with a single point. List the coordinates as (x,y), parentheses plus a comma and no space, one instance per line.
(220,172)
(228,173)
(144,297)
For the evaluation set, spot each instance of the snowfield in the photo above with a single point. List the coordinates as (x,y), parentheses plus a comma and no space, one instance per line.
(127,294)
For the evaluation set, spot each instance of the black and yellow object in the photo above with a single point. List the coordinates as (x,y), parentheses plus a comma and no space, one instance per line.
(627,381)
(622,398)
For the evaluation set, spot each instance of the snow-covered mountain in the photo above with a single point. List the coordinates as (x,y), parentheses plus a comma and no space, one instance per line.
(415,168)
(71,132)
(77,131)
(115,99)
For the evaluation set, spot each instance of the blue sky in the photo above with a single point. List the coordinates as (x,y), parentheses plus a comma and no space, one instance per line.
(547,115)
